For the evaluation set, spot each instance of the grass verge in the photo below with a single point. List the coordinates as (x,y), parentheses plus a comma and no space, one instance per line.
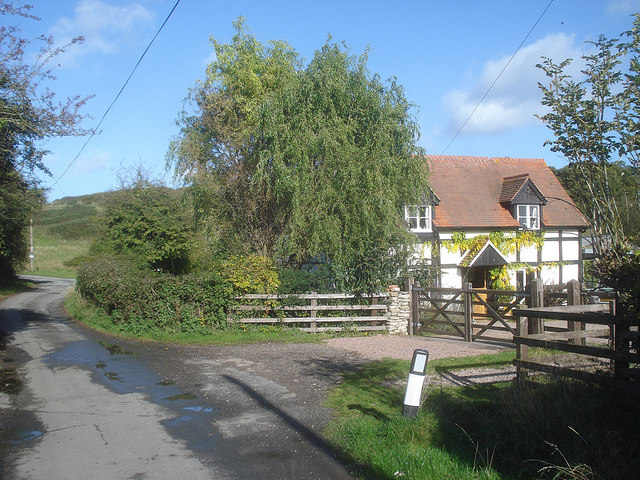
(549,429)
(97,319)
(51,254)
(17,286)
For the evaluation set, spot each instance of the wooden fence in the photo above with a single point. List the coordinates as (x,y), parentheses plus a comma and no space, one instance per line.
(314,312)
(607,336)
(473,314)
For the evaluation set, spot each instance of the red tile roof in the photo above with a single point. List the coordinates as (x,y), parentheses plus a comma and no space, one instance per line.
(512,185)
(470,190)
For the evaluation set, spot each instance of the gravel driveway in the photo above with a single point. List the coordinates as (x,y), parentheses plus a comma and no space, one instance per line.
(378,347)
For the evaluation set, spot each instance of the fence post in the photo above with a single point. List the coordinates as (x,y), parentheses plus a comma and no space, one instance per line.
(574,298)
(414,304)
(468,311)
(621,338)
(373,300)
(313,313)
(522,349)
(536,325)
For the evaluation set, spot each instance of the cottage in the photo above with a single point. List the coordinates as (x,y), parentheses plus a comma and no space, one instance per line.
(495,222)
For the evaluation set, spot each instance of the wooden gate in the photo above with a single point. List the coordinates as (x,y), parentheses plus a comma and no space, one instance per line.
(467,312)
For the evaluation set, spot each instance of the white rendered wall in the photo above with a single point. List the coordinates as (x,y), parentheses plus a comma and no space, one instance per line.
(550,274)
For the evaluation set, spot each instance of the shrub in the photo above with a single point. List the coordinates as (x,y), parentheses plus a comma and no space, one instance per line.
(304,281)
(142,300)
(619,268)
(147,221)
(251,274)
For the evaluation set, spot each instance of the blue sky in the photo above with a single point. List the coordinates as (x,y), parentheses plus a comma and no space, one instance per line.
(445,53)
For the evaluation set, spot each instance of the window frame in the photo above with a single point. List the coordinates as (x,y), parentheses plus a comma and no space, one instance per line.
(427,217)
(529,216)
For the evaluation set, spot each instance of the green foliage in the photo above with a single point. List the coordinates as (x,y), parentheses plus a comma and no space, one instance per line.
(301,163)
(18,202)
(507,243)
(140,300)
(96,318)
(29,115)
(536,430)
(147,222)
(75,221)
(594,121)
(293,280)
(213,153)
(624,184)
(619,268)
(251,274)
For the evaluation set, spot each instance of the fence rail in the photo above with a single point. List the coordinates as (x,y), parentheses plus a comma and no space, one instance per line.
(622,351)
(314,312)
(467,312)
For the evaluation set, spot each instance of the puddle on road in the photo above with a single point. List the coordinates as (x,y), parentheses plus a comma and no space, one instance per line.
(199,409)
(113,376)
(114,349)
(187,416)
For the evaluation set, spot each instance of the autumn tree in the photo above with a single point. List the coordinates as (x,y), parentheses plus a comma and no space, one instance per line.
(29,115)
(297,162)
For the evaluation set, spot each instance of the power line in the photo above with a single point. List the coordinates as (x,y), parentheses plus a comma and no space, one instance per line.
(93,132)
(497,78)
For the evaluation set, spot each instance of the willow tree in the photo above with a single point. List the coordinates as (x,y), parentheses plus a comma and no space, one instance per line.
(316,160)
(215,151)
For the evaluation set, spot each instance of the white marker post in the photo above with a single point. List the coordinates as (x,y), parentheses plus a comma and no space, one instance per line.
(413,394)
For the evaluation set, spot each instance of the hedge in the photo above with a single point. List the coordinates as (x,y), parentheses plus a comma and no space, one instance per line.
(142,300)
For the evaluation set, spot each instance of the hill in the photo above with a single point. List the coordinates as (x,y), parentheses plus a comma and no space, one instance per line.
(64,230)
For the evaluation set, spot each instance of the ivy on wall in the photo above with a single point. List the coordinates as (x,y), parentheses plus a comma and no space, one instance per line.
(507,243)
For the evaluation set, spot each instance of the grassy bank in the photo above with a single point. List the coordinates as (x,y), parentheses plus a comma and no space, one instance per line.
(64,230)
(549,429)
(52,254)
(16,287)
(94,318)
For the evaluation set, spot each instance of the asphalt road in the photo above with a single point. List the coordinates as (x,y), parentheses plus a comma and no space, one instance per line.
(75,404)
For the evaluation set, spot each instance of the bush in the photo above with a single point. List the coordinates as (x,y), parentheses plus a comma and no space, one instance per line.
(619,268)
(142,300)
(251,274)
(304,281)
(149,222)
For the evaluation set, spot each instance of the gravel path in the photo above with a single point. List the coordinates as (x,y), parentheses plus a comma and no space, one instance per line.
(401,347)
(377,347)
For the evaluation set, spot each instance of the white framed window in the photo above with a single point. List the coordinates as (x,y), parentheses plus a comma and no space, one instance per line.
(528,216)
(418,217)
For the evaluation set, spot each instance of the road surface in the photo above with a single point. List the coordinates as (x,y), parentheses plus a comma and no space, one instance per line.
(75,404)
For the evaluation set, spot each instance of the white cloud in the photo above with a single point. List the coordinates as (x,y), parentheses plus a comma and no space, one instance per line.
(86,165)
(624,7)
(105,27)
(515,98)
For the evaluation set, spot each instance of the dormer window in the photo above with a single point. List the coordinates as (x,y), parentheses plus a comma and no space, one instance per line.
(524,200)
(418,217)
(528,216)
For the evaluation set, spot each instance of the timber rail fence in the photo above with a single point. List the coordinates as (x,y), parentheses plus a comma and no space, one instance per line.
(595,343)
(315,312)
(596,333)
